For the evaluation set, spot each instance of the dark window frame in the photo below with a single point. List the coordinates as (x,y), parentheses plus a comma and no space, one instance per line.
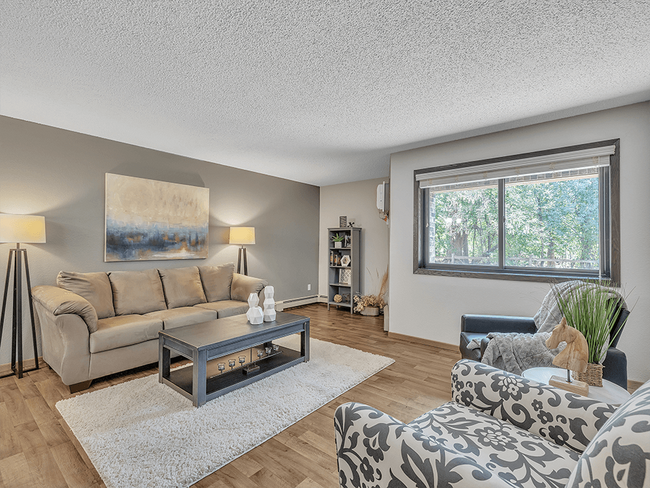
(610,261)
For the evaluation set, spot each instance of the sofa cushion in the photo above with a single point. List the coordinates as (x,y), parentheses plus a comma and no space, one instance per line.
(182,286)
(136,292)
(225,308)
(217,281)
(179,317)
(516,455)
(243,286)
(94,287)
(123,330)
(618,454)
(60,302)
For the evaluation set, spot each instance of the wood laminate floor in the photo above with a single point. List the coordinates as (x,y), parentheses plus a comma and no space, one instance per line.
(37,449)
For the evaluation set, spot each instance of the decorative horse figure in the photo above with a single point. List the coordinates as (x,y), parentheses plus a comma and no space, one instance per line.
(574,356)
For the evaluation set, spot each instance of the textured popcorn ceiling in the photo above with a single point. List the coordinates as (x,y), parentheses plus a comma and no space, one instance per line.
(315,91)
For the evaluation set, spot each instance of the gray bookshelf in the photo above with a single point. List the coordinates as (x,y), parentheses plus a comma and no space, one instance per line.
(350,248)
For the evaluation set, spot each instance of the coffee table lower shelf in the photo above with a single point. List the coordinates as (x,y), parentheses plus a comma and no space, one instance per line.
(218,384)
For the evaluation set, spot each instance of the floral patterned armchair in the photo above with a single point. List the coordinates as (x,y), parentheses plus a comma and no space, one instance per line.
(500,430)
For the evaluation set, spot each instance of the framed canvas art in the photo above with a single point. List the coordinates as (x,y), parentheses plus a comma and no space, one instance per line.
(149,220)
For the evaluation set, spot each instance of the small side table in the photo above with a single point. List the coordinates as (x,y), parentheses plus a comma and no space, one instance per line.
(609,393)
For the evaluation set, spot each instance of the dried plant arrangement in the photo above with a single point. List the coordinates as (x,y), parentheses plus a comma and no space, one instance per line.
(366,301)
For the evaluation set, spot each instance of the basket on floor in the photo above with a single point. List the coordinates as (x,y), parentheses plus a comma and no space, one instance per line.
(593,376)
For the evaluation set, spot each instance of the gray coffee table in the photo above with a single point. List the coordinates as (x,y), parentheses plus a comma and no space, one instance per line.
(206,342)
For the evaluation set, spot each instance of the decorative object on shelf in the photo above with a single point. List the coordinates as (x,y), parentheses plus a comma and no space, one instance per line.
(338,298)
(242,236)
(346,297)
(337,239)
(572,358)
(269,304)
(27,229)
(343,221)
(345,276)
(345,260)
(350,224)
(369,301)
(153,220)
(331,258)
(592,309)
(337,261)
(347,242)
(254,315)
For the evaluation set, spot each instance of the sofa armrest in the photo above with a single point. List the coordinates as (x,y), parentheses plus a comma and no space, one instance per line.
(60,302)
(243,286)
(374,449)
(564,418)
(615,367)
(497,323)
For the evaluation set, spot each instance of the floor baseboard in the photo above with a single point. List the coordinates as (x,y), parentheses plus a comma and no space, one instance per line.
(429,342)
(27,364)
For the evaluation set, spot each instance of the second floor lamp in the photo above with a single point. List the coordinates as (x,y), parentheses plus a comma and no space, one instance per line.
(242,236)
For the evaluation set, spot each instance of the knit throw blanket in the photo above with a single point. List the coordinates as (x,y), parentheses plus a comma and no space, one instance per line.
(517,352)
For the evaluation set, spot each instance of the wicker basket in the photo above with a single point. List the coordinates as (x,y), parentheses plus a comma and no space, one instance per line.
(593,376)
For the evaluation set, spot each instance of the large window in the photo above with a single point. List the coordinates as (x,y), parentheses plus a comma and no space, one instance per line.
(537,216)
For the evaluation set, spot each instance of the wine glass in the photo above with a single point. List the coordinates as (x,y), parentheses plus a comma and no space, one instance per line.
(268,350)
(242,360)
(260,353)
(231,363)
(221,367)
(276,348)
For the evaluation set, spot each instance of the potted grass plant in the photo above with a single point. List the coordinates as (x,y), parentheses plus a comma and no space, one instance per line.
(592,309)
(337,239)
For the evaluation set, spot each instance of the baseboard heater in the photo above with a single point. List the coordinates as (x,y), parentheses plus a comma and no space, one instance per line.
(296,302)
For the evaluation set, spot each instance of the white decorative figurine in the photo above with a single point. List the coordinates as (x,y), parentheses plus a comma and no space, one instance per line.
(255,315)
(269,304)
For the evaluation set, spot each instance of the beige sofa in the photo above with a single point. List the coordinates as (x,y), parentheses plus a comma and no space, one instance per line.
(96,324)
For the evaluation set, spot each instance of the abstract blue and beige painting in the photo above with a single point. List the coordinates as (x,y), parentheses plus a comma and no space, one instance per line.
(149,220)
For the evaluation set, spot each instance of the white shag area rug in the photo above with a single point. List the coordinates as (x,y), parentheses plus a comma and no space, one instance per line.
(143,434)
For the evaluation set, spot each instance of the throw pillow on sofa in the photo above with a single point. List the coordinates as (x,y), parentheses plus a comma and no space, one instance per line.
(137,292)
(182,287)
(217,281)
(94,287)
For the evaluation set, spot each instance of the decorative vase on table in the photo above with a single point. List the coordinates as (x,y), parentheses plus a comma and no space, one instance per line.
(269,304)
(255,314)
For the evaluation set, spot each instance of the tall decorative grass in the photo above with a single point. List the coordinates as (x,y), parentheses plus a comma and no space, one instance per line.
(593,309)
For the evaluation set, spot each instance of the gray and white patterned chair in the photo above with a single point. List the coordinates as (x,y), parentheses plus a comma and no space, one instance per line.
(500,430)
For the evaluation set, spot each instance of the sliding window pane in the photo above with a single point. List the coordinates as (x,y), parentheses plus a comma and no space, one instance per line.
(552,221)
(463,224)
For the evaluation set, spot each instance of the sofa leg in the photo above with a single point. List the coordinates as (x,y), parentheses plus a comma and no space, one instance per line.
(80,386)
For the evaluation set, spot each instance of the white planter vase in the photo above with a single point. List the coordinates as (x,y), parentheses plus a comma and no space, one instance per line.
(338,245)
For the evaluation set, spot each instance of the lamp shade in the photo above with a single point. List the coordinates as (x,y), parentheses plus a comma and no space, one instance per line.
(242,235)
(29,229)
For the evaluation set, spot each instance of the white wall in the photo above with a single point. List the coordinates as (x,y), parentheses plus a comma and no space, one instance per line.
(357,201)
(430,307)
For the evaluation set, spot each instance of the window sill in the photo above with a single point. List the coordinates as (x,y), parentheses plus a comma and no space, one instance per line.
(544,277)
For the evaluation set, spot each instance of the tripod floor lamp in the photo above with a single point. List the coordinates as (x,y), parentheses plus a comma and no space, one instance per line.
(19,229)
(241,236)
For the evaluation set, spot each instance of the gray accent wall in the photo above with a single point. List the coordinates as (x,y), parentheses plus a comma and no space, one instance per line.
(60,174)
